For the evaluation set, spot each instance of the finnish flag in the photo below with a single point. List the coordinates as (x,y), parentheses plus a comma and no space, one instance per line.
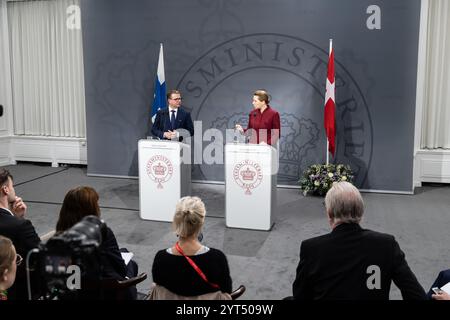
(159,95)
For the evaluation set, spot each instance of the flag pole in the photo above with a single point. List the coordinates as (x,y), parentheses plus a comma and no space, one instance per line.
(328,154)
(159,94)
(328,142)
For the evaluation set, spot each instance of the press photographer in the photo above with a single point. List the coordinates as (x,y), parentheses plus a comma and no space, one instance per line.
(69,265)
(99,266)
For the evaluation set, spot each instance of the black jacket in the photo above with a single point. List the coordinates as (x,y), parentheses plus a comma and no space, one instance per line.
(111,259)
(162,123)
(442,279)
(112,267)
(20,231)
(24,237)
(176,274)
(338,266)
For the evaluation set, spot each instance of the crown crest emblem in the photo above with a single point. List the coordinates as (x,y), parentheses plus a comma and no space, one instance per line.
(159,170)
(248,174)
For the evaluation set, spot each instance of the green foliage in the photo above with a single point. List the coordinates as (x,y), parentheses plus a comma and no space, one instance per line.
(318,178)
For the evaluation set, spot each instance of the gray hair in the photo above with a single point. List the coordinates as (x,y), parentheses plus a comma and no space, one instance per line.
(344,203)
(189,216)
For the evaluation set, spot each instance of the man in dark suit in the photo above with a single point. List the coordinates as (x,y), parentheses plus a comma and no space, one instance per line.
(352,263)
(442,279)
(14,226)
(172,123)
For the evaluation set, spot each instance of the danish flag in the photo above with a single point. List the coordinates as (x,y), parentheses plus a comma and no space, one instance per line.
(330,105)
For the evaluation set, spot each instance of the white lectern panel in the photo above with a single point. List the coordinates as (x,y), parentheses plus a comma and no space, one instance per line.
(163,178)
(250,185)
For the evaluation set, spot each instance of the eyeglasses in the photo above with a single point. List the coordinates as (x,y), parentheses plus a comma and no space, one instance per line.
(19,259)
(177,99)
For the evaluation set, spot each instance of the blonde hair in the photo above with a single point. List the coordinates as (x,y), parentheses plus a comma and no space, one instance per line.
(344,203)
(189,216)
(7,254)
(262,95)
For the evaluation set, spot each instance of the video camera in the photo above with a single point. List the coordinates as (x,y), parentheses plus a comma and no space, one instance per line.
(69,260)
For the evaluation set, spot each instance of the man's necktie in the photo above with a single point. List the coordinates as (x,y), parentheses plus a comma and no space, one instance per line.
(172,119)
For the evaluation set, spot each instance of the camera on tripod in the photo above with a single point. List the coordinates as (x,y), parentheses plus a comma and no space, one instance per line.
(68,261)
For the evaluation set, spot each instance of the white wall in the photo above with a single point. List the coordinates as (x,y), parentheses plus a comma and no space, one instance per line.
(5,88)
(429,165)
(25,148)
(420,89)
(5,72)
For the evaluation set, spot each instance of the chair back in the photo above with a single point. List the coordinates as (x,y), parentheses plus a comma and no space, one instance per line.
(161,293)
(109,289)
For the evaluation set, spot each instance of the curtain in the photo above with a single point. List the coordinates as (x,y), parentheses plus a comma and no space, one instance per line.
(436,113)
(47,69)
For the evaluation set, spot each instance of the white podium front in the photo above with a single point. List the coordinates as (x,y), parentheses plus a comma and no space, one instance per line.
(164,177)
(250,185)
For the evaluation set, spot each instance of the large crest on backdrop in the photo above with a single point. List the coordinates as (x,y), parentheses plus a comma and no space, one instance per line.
(218,88)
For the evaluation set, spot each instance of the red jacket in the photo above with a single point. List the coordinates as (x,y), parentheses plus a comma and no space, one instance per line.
(263,123)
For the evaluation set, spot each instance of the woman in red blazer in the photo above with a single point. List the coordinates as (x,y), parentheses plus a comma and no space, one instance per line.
(263,121)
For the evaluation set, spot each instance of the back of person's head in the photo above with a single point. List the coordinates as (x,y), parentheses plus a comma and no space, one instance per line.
(189,216)
(7,265)
(78,203)
(344,203)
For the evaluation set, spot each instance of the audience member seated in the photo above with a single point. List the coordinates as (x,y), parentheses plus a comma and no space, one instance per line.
(442,279)
(81,202)
(442,295)
(189,268)
(19,230)
(160,293)
(352,263)
(9,260)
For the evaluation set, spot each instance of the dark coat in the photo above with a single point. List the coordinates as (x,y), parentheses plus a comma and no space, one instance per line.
(162,122)
(338,266)
(442,279)
(24,237)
